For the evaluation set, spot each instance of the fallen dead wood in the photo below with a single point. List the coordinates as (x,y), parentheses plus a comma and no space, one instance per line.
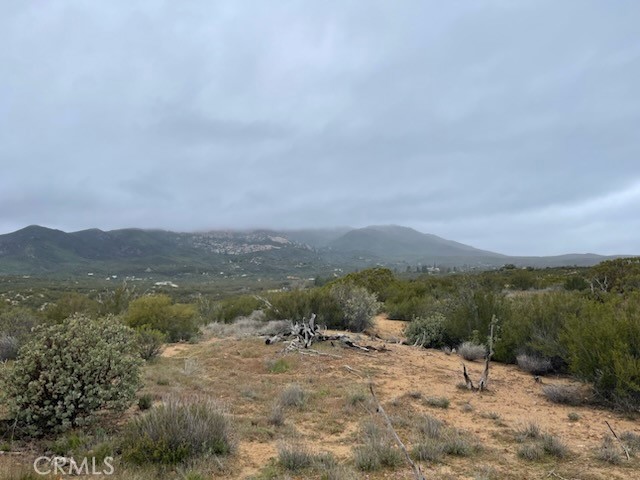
(301,336)
(416,469)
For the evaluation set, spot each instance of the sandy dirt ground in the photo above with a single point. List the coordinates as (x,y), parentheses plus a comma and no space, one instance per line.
(247,377)
(237,372)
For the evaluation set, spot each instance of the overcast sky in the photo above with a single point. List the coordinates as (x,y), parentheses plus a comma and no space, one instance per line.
(513,126)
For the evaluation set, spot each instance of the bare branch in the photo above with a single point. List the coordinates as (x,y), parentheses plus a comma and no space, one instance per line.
(416,469)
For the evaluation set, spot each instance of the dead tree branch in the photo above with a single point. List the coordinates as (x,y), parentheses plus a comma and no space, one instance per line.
(416,469)
(624,447)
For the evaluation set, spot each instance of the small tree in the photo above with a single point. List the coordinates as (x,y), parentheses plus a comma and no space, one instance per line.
(68,372)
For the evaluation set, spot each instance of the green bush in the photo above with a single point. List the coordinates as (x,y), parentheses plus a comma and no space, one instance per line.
(66,373)
(534,327)
(70,304)
(379,281)
(359,306)
(603,345)
(17,322)
(150,342)
(158,312)
(472,311)
(427,331)
(145,402)
(228,310)
(8,347)
(299,304)
(178,431)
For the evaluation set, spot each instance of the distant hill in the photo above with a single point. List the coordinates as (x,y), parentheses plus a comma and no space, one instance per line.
(40,250)
(402,243)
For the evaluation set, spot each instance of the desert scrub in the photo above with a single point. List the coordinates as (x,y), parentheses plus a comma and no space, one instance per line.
(471,351)
(358,305)
(573,416)
(531,451)
(145,402)
(295,457)
(150,342)
(564,394)
(66,373)
(434,440)
(426,331)
(632,441)
(378,450)
(533,364)
(293,396)
(529,431)
(280,365)
(609,451)
(553,446)
(177,431)
(9,347)
(437,402)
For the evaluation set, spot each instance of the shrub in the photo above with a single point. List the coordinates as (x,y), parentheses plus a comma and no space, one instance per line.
(177,431)
(459,443)
(531,451)
(429,427)
(603,344)
(573,416)
(145,402)
(295,457)
(293,396)
(632,441)
(533,364)
(426,331)
(563,394)
(150,342)
(378,450)
(8,347)
(228,310)
(428,449)
(438,402)
(280,365)
(69,304)
(535,326)
(554,446)
(157,312)
(609,451)
(529,431)
(18,322)
(276,416)
(359,306)
(66,373)
(299,304)
(471,351)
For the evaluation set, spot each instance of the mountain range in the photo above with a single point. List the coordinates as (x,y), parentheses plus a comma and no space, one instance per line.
(38,250)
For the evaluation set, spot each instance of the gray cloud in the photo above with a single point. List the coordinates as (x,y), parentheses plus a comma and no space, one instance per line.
(508,125)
